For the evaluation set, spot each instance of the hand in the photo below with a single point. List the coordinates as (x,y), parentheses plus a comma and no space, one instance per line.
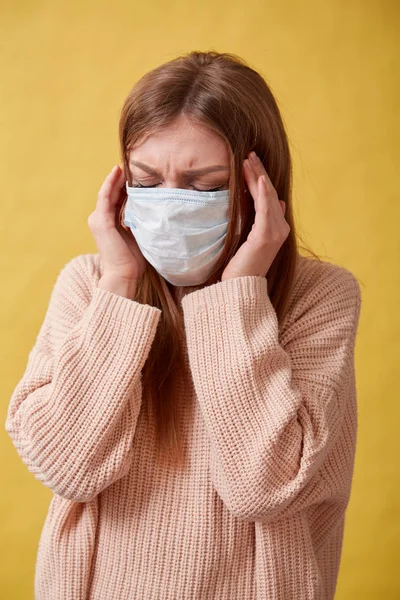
(119,251)
(270,228)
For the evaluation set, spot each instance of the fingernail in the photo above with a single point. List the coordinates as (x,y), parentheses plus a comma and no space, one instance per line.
(253,157)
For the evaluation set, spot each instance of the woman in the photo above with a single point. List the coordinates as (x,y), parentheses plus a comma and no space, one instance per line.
(190,398)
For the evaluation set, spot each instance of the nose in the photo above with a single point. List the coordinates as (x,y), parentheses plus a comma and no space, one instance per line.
(172,183)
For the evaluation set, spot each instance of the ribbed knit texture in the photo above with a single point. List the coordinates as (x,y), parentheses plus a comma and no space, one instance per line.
(268,418)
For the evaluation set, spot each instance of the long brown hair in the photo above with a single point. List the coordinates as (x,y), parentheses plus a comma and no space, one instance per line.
(221,91)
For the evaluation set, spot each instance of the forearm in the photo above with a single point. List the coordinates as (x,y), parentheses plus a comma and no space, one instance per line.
(73,415)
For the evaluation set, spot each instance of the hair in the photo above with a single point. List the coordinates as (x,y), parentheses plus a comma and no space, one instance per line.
(222,92)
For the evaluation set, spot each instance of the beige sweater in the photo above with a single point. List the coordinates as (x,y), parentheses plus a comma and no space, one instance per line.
(270,423)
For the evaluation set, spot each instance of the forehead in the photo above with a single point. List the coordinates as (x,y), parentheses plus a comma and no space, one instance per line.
(189,143)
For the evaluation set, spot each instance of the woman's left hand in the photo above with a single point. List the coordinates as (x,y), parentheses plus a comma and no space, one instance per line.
(270,228)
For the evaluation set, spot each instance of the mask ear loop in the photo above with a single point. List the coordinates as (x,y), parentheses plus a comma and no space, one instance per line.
(121,214)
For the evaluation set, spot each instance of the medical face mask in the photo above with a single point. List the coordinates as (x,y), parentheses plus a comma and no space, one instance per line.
(180,232)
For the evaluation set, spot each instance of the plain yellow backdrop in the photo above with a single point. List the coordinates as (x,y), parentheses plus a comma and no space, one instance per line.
(333,65)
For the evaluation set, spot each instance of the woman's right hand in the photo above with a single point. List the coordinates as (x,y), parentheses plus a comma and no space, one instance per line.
(119,251)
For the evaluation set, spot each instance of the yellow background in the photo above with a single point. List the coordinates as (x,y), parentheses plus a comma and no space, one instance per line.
(66,68)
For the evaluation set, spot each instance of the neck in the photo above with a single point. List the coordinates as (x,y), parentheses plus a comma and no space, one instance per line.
(180,292)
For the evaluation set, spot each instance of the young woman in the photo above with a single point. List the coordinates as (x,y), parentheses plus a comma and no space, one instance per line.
(190,398)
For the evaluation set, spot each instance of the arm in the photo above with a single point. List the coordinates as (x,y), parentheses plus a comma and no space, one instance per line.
(272,410)
(72,416)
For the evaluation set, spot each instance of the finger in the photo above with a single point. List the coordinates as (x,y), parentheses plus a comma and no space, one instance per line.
(262,215)
(262,193)
(117,188)
(121,194)
(109,192)
(259,170)
(269,196)
(256,163)
(256,170)
(251,178)
(106,187)
(269,218)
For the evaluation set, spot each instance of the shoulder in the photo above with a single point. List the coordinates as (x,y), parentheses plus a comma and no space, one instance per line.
(322,286)
(321,325)
(312,274)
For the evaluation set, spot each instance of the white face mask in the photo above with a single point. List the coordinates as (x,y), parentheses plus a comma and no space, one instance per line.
(180,232)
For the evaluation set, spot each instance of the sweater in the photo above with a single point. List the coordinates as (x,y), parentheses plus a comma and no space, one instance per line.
(269,419)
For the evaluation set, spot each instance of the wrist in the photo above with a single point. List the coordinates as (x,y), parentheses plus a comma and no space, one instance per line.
(118,285)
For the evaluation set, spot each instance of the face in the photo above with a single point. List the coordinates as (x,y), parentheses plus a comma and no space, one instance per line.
(184,156)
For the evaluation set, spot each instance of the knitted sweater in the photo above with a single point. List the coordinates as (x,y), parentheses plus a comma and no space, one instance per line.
(269,419)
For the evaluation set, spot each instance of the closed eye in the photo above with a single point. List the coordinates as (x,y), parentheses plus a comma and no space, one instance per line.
(139,185)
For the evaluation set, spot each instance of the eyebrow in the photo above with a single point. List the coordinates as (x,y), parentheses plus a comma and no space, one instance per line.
(190,172)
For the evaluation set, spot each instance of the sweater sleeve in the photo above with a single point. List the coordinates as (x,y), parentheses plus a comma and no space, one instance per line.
(73,414)
(272,409)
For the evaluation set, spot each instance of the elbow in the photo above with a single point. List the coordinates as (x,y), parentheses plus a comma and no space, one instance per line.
(72,484)
(69,488)
(249,513)
(84,483)
(77,485)
(267,503)
(266,508)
